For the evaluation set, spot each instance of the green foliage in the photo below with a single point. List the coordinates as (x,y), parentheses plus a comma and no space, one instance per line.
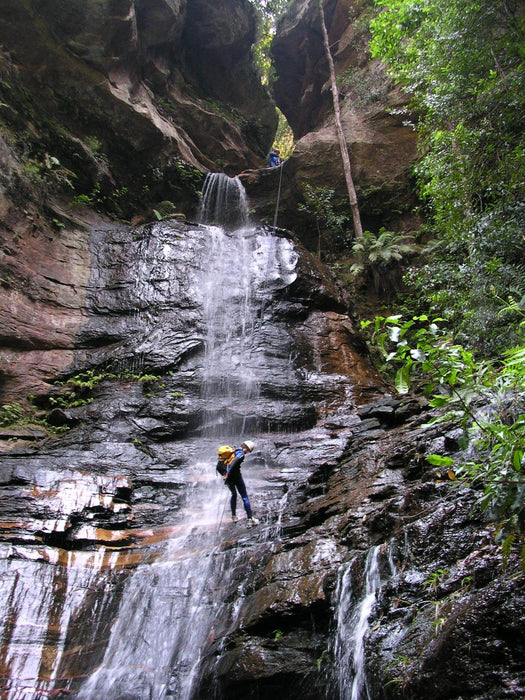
(332,233)
(463,65)
(378,257)
(190,176)
(364,86)
(487,399)
(103,201)
(11,414)
(15,415)
(466,279)
(268,13)
(165,210)
(435,578)
(284,139)
(78,389)
(47,171)
(84,200)
(150,383)
(94,144)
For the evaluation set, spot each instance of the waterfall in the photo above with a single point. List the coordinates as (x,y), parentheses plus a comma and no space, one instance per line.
(352,618)
(223,201)
(229,377)
(241,267)
(36,610)
(170,605)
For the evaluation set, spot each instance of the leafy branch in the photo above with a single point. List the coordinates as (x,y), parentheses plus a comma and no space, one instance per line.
(487,399)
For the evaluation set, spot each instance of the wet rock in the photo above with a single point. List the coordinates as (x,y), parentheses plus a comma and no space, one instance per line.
(58,417)
(288,666)
(108,524)
(22,434)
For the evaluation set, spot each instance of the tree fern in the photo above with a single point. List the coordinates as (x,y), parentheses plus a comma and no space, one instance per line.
(378,258)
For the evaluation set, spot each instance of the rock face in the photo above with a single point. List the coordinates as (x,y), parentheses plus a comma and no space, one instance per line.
(166,355)
(383,582)
(120,565)
(145,347)
(120,100)
(382,148)
(84,297)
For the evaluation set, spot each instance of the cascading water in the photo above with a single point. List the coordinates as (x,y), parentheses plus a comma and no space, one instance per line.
(240,270)
(169,606)
(223,202)
(352,618)
(229,379)
(36,611)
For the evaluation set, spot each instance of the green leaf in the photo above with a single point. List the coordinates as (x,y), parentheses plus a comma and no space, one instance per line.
(393,319)
(440,461)
(439,401)
(402,381)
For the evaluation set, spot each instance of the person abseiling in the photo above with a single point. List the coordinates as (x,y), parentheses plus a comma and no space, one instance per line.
(229,467)
(274,158)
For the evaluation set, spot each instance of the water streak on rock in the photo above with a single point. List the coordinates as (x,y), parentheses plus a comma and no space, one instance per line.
(352,618)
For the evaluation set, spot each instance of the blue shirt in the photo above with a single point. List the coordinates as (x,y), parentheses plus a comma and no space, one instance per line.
(234,467)
(273,159)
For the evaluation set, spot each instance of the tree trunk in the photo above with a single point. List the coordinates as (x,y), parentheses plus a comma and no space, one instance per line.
(352,197)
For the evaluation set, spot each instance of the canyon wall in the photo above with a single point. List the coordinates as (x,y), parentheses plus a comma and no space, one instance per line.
(374,118)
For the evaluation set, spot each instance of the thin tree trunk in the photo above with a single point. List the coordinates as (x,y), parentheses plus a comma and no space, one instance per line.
(352,197)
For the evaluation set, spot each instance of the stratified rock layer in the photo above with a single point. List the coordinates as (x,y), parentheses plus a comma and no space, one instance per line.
(113,564)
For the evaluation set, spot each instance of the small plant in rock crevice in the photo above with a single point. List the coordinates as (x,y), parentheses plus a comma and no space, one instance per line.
(435,578)
(150,383)
(15,415)
(11,414)
(77,390)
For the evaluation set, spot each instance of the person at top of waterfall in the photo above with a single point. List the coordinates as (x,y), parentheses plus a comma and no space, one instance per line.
(274,157)
(231,473)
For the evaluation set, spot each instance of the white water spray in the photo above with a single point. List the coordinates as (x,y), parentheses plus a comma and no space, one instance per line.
(352,619)
(223,201)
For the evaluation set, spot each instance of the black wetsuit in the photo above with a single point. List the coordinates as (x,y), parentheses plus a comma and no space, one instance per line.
(235,482)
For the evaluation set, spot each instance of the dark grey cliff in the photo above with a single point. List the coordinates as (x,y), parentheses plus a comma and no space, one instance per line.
(100,588)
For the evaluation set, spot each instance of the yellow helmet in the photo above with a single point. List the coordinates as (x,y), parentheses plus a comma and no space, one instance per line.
(249,445)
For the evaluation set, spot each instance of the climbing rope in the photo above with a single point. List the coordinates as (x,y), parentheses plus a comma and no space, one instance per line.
(220,521)
(281,167)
